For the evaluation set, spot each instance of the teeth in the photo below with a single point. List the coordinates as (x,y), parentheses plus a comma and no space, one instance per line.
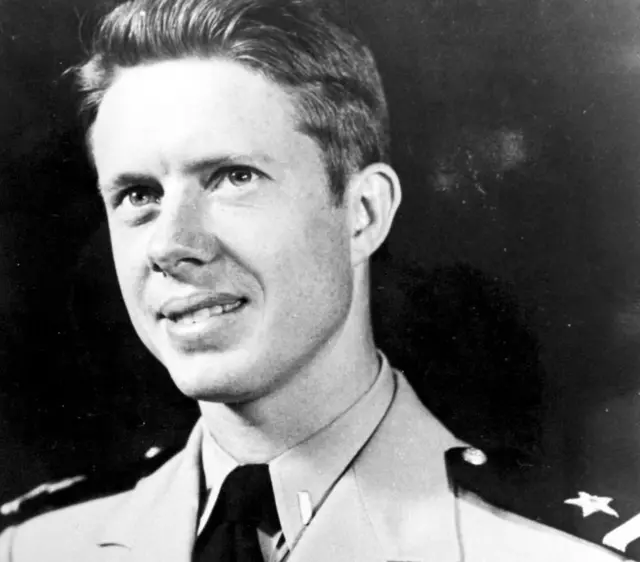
(232,306)
(206,313)
(199,315)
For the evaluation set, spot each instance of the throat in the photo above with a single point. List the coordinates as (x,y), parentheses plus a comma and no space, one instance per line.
(245,436)
(260,430)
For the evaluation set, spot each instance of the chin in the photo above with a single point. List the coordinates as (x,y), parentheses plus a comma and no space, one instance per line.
(211,380)
(203,389)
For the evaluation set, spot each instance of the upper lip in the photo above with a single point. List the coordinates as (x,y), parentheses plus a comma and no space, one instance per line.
(176,307)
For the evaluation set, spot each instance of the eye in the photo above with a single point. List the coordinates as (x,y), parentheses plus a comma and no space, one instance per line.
(235,176)
(241,176)
(139,196)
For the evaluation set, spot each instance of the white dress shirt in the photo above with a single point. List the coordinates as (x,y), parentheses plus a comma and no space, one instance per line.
(304,475)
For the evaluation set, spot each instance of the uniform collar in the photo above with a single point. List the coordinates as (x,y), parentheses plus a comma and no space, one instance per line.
(146,523)
(305,474)
(403,484)
(395,498)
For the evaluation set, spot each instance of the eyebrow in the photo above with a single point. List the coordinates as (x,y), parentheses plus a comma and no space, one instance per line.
(191,167)
(201,164)
(126,179)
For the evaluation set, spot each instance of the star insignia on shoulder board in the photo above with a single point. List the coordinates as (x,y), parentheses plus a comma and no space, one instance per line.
(592,504)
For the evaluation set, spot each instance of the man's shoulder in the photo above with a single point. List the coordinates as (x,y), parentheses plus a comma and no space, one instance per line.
(65,515)
(504,495)
(489,532)
(495,497)
(84,488)
(65,533)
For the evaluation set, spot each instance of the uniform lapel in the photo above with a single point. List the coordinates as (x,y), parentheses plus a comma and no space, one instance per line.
(158,521)
(394,503)
(403,482)
(340,531)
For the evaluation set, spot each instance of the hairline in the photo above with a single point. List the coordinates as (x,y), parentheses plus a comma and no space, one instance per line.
(289,91)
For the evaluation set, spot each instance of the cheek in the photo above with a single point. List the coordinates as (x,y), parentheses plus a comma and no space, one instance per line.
(298,253)
(130,269)
(326,241)
(316,264)
(129,260)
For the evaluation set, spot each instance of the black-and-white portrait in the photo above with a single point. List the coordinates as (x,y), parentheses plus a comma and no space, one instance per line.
(313,280)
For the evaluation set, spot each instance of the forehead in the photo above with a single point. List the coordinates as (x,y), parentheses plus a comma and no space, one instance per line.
(177,109)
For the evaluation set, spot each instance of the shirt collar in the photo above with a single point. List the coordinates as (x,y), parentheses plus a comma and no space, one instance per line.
(217,464)
(304,475)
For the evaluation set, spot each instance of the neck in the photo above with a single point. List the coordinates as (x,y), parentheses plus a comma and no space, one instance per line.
(337,376)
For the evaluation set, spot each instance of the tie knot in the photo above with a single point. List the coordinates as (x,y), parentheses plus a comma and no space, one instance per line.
(247,497)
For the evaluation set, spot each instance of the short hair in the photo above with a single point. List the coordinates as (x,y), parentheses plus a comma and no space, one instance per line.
(298,44)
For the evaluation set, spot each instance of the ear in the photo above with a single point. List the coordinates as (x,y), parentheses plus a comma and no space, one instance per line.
(374,195)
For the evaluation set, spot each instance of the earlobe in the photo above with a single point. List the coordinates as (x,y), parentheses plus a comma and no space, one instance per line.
(374,196)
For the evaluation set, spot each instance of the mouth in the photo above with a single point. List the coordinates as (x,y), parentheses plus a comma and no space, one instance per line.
(202,314)
(200,307)
(203,321)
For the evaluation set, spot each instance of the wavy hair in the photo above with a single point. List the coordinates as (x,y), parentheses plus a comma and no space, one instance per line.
(330,74)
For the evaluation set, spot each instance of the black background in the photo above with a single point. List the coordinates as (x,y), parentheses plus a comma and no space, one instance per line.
(509,290)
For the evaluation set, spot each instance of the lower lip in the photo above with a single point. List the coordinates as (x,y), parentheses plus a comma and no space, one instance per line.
(189,333)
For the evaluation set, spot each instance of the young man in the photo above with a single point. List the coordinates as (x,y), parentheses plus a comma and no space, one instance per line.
(241,152)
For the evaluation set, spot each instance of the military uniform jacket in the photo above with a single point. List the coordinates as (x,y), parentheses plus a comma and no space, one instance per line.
(394,502)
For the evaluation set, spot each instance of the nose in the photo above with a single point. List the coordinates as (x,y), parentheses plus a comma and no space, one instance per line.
(181,238)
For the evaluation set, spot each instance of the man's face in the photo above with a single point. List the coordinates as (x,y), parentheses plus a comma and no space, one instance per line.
(233,261)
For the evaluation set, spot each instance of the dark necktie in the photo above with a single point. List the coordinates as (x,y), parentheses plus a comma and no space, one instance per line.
(245,502)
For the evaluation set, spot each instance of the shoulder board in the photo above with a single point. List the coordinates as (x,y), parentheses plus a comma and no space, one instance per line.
(528,487)
(493,475)
(76,489)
